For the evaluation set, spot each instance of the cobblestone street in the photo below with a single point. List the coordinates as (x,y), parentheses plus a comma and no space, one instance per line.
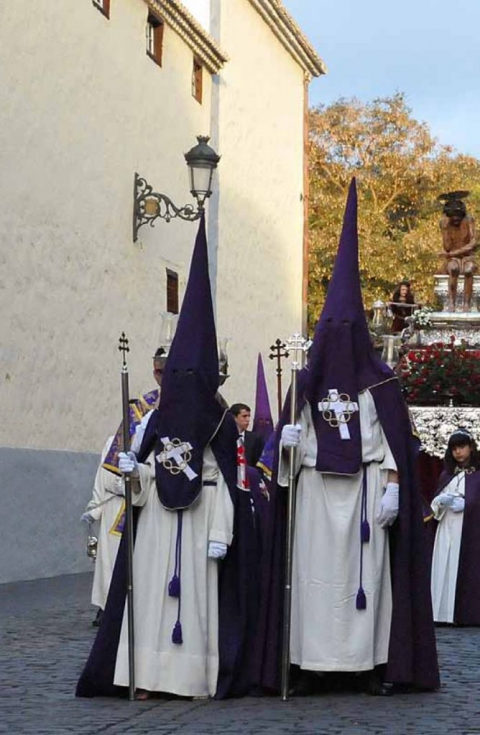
(46,635)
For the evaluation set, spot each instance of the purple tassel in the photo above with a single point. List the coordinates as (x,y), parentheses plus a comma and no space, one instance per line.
(177,633)
(365,532)
(174,588)
(361,603)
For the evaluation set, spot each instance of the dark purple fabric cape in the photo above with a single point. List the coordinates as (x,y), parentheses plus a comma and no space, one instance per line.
(97,676)
(336,371)
(412,651)
(239,591)
(467,596)
(412,656)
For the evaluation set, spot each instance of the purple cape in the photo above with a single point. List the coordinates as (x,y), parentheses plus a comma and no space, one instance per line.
(239,591)
(467,595)
(336,373)
(412,657)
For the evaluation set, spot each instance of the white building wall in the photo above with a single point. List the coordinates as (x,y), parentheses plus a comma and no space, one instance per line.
(82,108)
(260,131)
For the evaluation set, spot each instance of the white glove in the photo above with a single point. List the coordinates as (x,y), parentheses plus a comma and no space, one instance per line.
(458,504)
(445,499)
(87,518)
(127,463)
(388,505)
(291,435)
(217,550)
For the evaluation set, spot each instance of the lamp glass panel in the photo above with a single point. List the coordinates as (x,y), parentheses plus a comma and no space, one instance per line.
(201,180)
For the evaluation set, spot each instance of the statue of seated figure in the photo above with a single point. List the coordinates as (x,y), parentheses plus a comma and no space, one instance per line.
(459,243)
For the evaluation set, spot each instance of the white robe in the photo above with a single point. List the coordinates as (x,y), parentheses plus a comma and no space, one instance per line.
(328,633)
(446,553)
(189,669)
(106,507)
(140,429)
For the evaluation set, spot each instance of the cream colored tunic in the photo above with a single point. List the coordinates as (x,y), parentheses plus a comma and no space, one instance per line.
(190,669)
(137,438)
(106,507)
(328,633)
(446,553)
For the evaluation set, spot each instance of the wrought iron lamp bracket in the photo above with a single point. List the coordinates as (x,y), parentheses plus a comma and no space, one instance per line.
(150,205)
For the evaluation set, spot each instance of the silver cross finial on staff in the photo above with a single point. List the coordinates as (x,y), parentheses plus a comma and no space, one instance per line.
(297,346)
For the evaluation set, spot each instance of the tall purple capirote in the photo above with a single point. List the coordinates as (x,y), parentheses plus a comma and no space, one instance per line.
(189,414)
(342,360)
(262,421)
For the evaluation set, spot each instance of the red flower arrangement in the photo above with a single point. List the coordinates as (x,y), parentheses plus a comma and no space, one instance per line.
(440,373)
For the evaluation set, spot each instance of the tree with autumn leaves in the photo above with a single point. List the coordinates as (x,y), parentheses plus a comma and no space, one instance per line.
(401,170)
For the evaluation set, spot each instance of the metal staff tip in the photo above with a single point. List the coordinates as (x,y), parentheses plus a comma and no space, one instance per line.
(123,347)
(297,346)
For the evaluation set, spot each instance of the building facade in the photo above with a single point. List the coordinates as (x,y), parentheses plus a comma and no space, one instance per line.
(92,92)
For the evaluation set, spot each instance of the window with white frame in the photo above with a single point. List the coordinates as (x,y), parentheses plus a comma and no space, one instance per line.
(154,38)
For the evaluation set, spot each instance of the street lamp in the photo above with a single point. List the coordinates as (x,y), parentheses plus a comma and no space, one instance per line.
(149,205)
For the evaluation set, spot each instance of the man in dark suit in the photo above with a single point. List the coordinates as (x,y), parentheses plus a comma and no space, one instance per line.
(252,442)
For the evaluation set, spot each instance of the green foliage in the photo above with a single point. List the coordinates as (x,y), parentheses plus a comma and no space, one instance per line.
(401,169)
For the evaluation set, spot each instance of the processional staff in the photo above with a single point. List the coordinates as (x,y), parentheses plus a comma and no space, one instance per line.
(278,352)
(124,348)
(297,345)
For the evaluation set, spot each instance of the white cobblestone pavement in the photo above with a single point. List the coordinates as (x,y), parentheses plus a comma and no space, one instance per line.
(46,634)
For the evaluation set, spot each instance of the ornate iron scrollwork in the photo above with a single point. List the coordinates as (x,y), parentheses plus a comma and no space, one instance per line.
(150,205)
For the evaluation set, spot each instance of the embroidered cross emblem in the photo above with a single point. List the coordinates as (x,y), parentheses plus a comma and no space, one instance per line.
(337,410)
(176,456)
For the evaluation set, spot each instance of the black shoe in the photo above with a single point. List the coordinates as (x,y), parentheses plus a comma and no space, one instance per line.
(304,685)
(378,688)
(98,618)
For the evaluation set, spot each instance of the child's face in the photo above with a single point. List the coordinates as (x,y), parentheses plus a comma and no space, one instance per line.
(461,453)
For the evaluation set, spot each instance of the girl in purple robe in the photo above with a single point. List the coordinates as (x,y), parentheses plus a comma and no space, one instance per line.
(456,507)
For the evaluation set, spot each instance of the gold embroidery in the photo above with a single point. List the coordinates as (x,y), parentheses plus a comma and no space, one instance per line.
(116,530)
